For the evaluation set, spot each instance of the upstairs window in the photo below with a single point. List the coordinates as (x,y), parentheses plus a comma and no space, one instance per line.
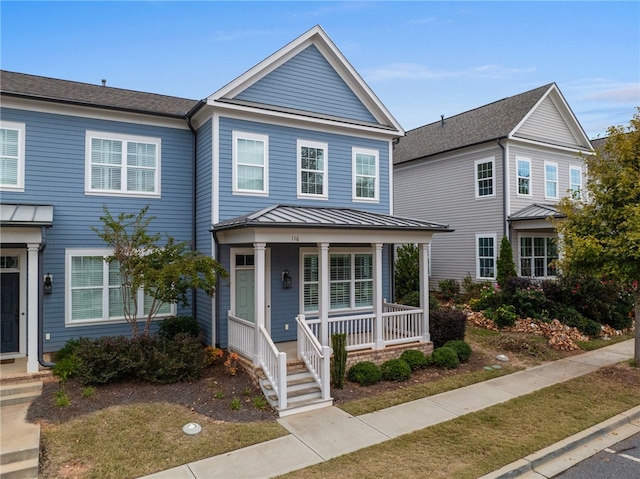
(312,169)
(524,176)
(365,175)
(550,180)
(250,163)
(575,181)
(484,178)
(122,165)
(12,156)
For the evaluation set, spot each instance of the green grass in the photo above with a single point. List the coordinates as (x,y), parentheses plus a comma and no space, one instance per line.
(139,439)
(600,343)
(475,444)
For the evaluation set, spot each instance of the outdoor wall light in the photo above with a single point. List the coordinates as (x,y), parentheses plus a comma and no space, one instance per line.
(48,284)
(286,279)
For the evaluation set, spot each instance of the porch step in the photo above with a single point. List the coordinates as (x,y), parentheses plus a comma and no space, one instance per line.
(19,393)
(19,440)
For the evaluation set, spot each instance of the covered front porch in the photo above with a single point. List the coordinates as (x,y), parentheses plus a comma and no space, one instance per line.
(342,287)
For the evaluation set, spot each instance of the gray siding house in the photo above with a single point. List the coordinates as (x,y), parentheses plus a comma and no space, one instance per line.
(495,171)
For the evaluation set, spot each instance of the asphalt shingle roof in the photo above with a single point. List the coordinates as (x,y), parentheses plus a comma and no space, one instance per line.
(64,91)
(486,123)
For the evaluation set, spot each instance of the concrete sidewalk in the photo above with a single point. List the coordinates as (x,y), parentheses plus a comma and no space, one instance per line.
(323,434)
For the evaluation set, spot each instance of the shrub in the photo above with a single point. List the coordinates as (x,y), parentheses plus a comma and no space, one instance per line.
(69,349)
(446,325)
(445,357)
(449,288)
(415,358)
(407,269)
(572,318)
(181,358)
(473,288)
(529,302)
(489,298)
(178,324)
(339,359)
(413,299)
(504,316)
(364,373)
(395,370)
(505,267)
(106,359)
(462,349)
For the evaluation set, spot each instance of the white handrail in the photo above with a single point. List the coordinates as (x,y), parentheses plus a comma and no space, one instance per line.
(316,357)
(241,335)
(274,365)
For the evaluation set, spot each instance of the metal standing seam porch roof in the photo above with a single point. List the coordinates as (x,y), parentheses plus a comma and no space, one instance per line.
(536,211)
(26,215)
(326,217)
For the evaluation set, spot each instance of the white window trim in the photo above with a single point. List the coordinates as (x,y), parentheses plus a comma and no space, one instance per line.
(573,168)
(493,177)
(350,251)
(557,181)
(532,236)
(376,154)
(21,128)
(124,138)
(104,252)
(325,175)
(524,160)
(495,259)
(235,136)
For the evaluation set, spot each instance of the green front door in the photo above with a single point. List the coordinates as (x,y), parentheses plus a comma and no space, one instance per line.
(245,293)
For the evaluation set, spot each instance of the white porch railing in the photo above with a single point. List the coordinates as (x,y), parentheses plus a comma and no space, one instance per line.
(242,336)
(316,357)
(400,324)
(274,365)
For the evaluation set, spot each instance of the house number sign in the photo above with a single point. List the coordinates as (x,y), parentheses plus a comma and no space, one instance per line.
(295,238)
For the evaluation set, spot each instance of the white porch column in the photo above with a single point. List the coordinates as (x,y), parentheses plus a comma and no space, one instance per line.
(33,307)
(259,250)
(324,286)
(423,249)
(377,294)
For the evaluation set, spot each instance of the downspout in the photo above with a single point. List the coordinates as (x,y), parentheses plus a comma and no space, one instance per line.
(505,192)
(43,245)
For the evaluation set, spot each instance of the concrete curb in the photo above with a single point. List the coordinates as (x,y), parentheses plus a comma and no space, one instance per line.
(564,454)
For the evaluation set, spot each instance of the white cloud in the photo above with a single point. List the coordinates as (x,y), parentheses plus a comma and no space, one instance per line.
(601,90)
(416,71)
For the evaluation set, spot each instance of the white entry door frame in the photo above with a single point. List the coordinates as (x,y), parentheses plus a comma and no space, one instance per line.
(242,282)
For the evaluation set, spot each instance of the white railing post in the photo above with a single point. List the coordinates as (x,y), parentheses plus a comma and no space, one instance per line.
(282,381)
(259,250)
(377,295)
(324,286)
(326,372)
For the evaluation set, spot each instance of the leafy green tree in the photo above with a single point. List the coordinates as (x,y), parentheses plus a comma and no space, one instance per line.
(506,268)
(407,278)
(601,232)
(165,272)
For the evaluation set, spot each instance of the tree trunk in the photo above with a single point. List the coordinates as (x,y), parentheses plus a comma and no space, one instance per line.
(636,349)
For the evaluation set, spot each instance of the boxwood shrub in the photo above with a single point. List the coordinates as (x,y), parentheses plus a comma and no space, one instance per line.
(364,373)
(415,358)
(445,357)
(462,349)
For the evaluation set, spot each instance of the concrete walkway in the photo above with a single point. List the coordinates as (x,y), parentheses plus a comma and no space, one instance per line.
(321,435)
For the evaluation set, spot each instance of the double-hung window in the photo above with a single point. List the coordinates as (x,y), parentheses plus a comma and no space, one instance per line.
(350,281)
(94,291)
(550,180)
(575,181)
(312,169)
(365,174)
(485,256)
(250,163)
(484,171)
(523,167)
(538,256)
(12,138)
(122,165)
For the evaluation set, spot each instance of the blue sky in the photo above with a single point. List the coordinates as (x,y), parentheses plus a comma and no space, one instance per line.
(422,58)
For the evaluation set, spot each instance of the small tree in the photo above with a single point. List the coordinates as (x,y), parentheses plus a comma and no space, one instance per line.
(407,270)
(506,268)
(601,232)
(165,272)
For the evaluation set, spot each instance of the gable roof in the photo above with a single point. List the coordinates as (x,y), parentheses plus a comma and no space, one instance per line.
(325,217)
(317,37)
(21,85)
(497,120)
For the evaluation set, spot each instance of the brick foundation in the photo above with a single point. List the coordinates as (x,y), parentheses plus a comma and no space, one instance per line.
(379,356)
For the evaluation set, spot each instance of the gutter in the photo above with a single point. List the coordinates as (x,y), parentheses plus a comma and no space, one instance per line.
(43,245)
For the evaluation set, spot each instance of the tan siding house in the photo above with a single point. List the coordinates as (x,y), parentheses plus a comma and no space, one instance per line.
(494,171)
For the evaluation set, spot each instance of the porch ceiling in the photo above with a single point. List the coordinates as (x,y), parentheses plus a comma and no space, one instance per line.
(299,224)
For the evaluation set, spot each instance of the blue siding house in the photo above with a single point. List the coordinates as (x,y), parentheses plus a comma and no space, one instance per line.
(284,176)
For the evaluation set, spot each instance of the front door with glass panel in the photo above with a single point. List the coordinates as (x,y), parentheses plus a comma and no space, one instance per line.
(244,296)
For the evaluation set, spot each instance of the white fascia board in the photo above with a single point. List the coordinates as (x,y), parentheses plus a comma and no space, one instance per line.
(550,146)
(93,113)
(300,121)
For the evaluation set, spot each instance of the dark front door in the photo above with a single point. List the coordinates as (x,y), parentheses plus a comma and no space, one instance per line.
(10,308)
